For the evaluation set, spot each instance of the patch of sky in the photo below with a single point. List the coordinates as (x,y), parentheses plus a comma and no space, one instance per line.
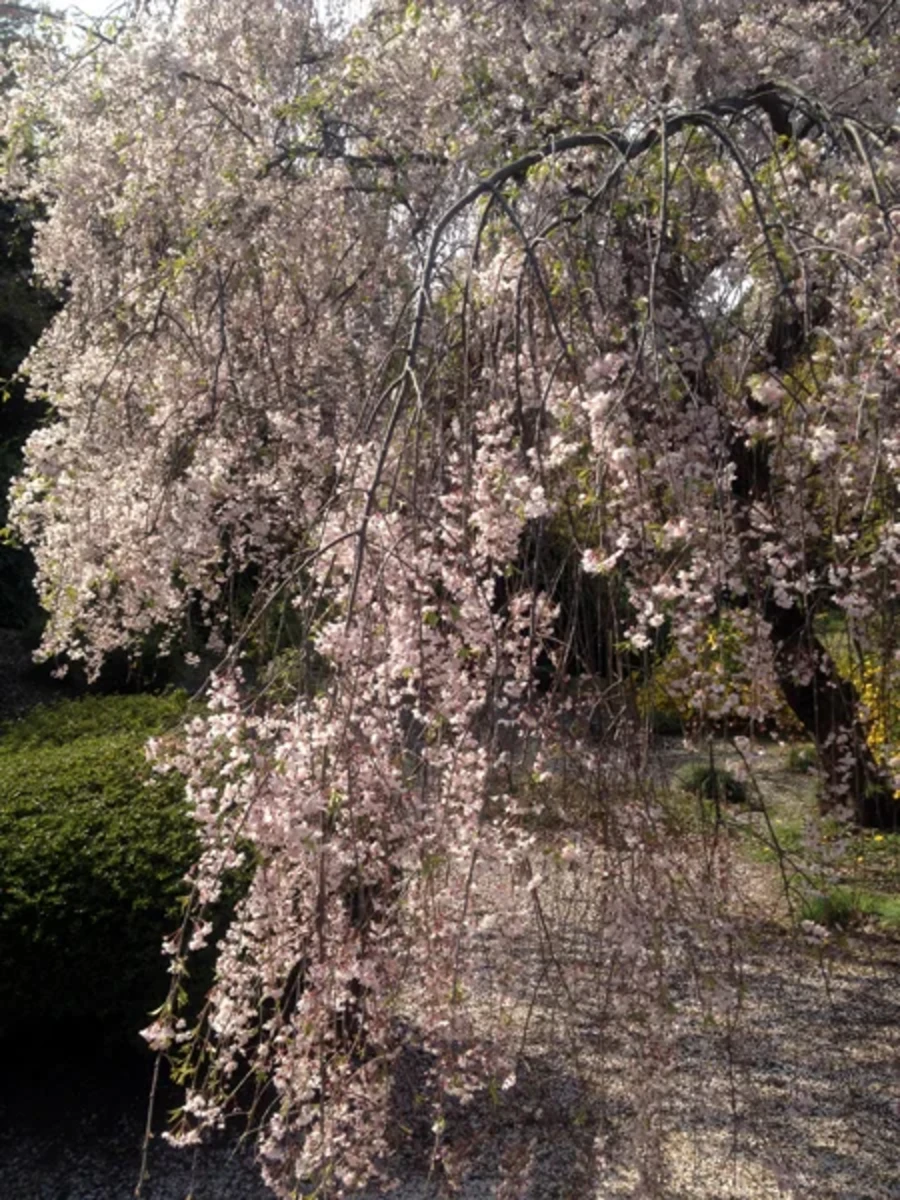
(723,290)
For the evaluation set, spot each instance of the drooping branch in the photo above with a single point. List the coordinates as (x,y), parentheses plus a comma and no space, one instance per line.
(782,105)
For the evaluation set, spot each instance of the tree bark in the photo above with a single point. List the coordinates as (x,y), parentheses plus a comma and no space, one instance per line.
(828,708)
(826,705)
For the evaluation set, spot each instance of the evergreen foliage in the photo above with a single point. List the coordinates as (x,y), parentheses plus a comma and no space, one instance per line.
(93,852)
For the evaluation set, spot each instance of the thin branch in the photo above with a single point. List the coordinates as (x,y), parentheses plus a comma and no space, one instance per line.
(767,97)
(876,21)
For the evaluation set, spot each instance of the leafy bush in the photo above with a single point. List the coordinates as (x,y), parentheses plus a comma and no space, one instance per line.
(872,665)
(842,907)
(93,851)
(713,783)
(835,908)
(137,717)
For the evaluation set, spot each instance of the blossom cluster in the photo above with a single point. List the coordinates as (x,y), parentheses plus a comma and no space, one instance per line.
(468,360)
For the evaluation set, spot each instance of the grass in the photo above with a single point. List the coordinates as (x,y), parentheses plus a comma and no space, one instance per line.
(802,759)
(782,836)
(842,907)
(837,908)
(846,877)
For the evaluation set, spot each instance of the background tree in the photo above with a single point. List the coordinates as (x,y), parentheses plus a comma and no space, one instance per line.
(24,310)
(360,321)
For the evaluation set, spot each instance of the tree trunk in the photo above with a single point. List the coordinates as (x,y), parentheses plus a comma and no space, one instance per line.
(828,708)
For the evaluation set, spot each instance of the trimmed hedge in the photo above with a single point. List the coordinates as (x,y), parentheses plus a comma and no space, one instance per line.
(93,852)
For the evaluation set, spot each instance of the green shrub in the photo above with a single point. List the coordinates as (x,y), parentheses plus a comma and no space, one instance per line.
(885,909)
(93,851)
(713,783)
(139,717)
(842,907)
(836,908)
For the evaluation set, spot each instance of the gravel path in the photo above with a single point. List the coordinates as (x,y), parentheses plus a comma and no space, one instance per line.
(798,1096)
(773,1070)
(71,1129)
